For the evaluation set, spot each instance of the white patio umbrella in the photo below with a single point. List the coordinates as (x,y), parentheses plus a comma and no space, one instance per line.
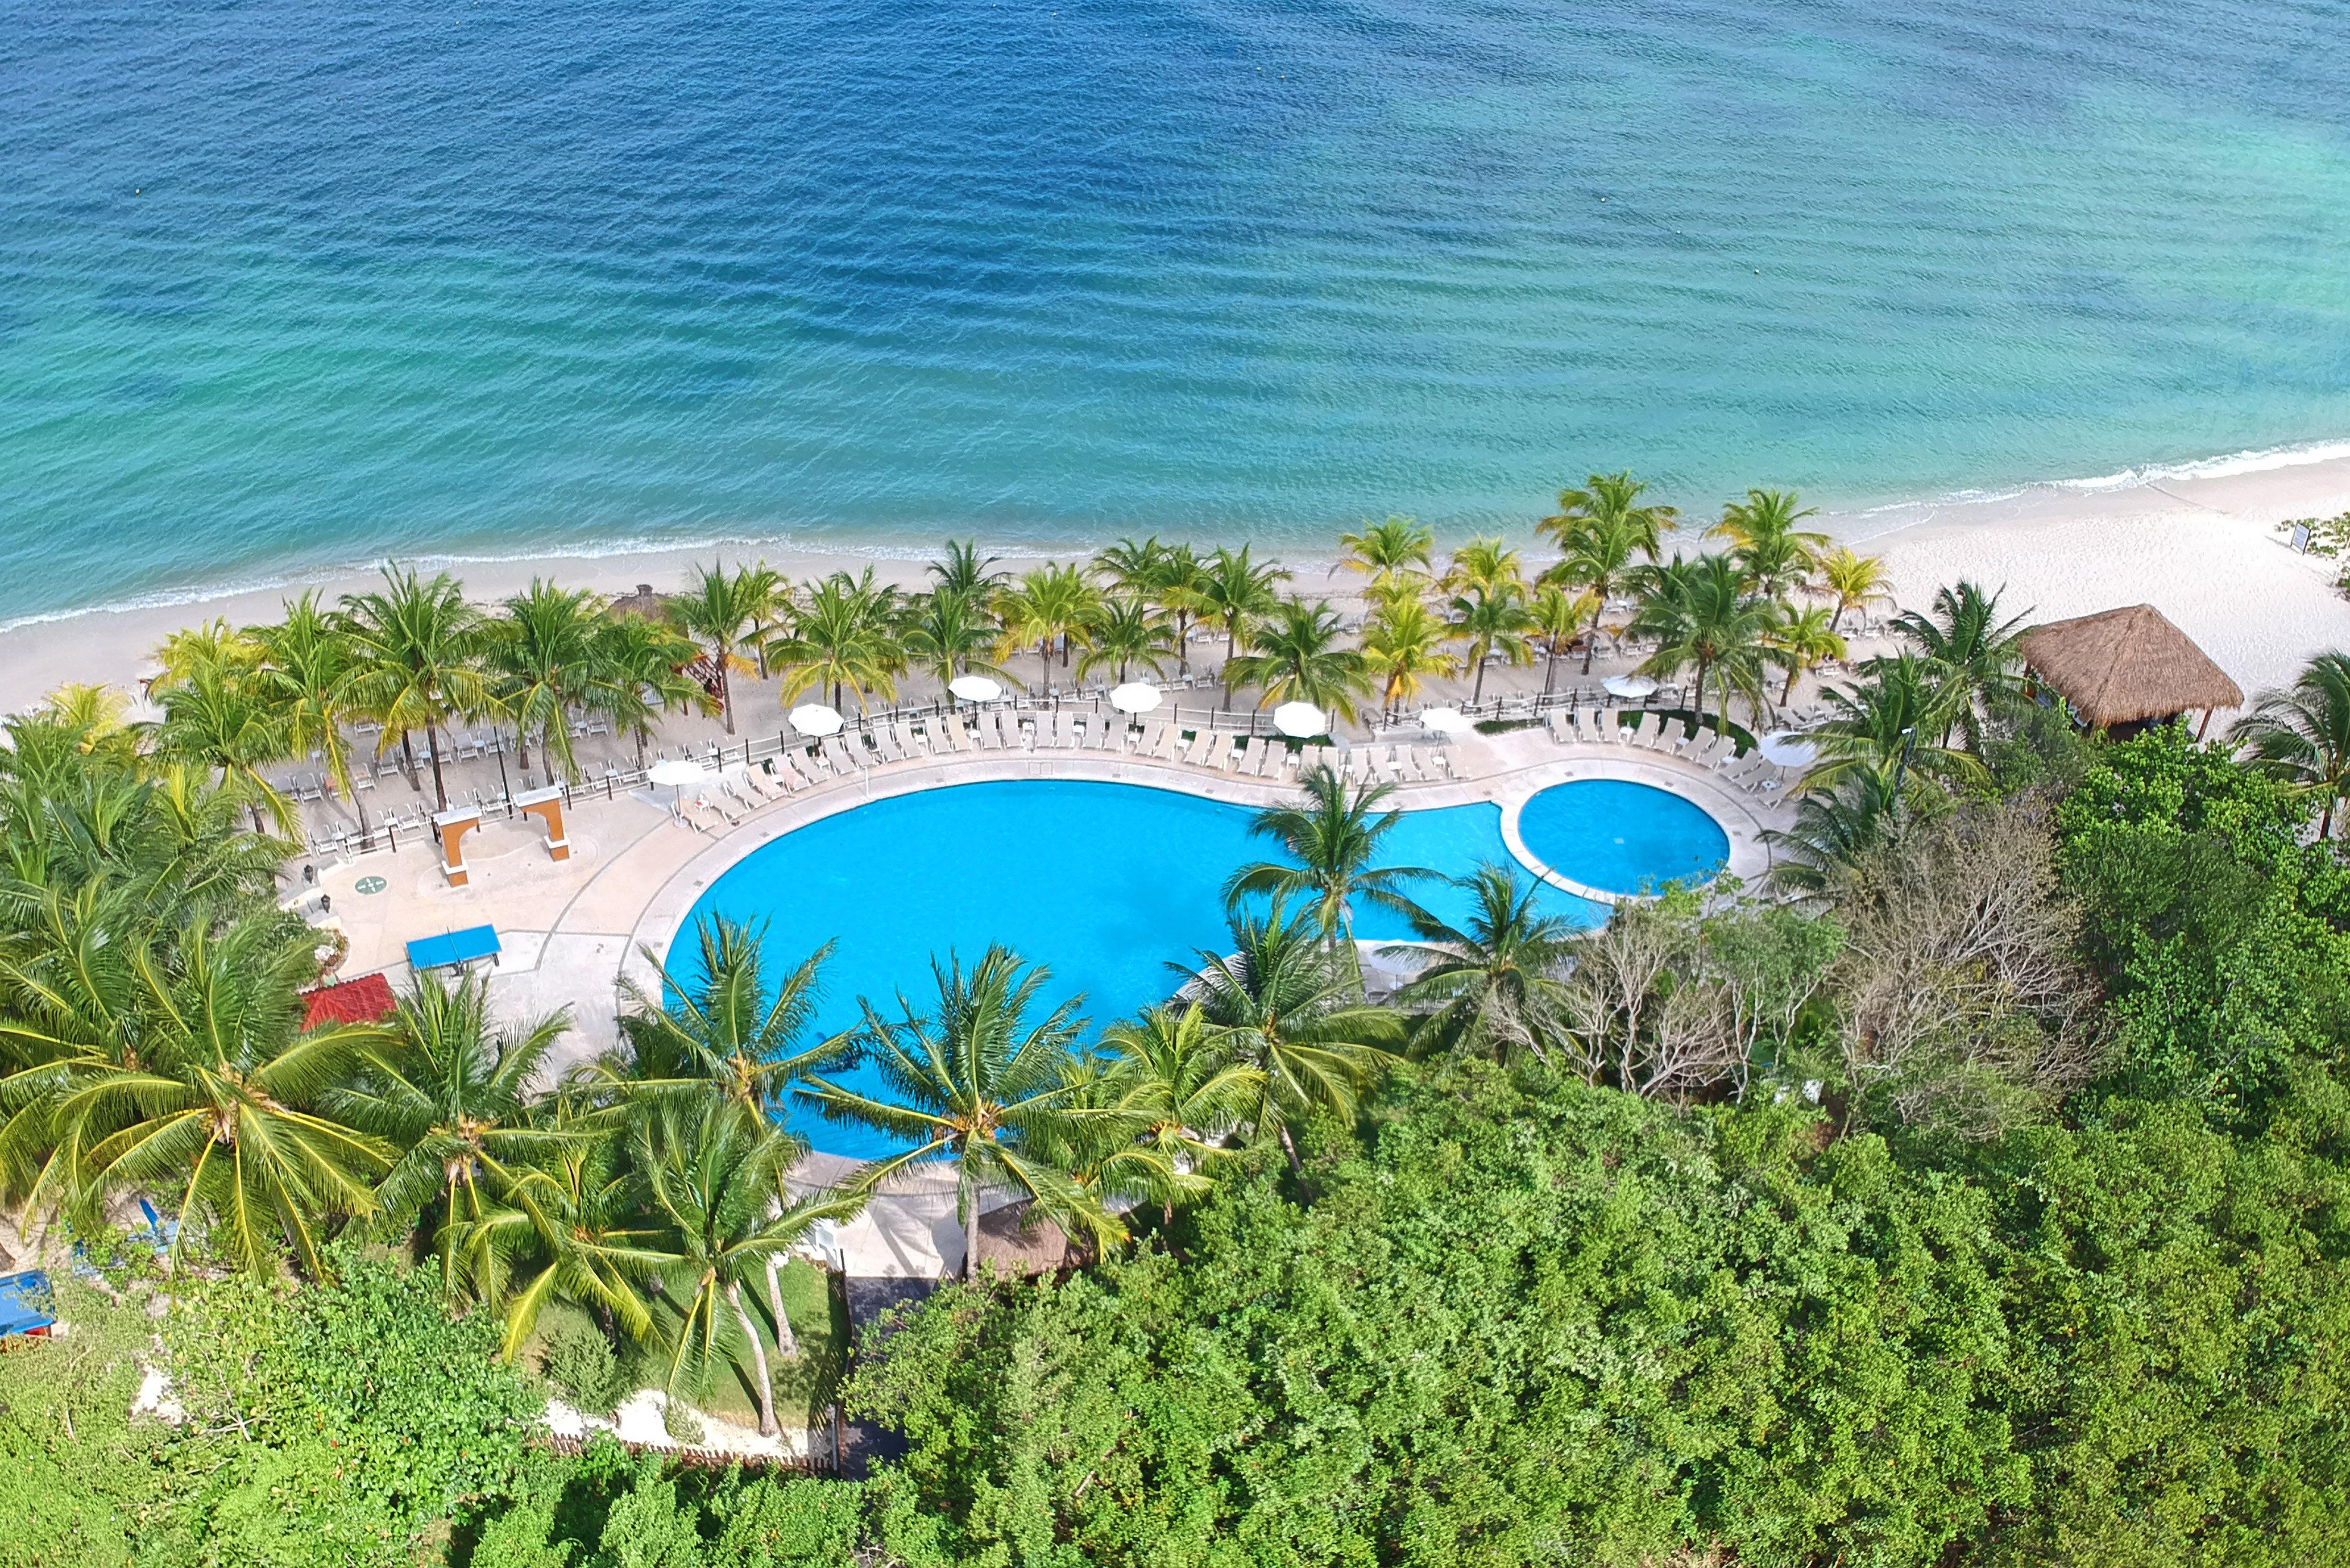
(1300,719)
(1631,688)
(1134,697)
(1789,749)
(815,719)
(1447,720)
(677,772)
(975,688)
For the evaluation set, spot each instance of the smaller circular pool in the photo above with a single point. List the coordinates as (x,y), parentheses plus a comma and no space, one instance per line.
(1621,837)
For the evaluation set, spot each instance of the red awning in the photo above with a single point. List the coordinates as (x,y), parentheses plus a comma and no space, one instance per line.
(367,1000)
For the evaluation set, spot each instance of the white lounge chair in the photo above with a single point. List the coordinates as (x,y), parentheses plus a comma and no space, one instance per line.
(1105,735)
(1197,752)
(903,734)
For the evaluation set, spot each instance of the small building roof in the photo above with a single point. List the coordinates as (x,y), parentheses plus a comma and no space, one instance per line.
(643,602)
(2127,666)
(367,1000)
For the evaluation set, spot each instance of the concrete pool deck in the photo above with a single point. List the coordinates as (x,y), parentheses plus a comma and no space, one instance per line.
(572,930)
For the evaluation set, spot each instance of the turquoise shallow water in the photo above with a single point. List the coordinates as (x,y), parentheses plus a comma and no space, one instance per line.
(1621,837)
(1102,883)
(287,284)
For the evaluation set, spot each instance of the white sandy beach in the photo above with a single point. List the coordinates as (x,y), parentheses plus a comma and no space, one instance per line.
(2205,551)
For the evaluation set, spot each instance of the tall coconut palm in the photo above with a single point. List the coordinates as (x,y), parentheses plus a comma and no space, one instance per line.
(766,597)
(845,636)
(1404,647)
(542,656)
(1491,985)
(721,610)
(964,570)
(1610,502)
(1559,616)
(1179,587)
(1599,560)
(450,1092)
(971,1084)
(1050,607)
(214,644)
(1288,1007)
(220,716)
(2302,734)
(639,675)
(1776,557)
(1484,568)
(1175,1078)
(715,1027)
(1973,650)
(711,1177)
(180,1065)
(1298,658)
(1703,617)
(949,633)
(1393,558)
(1332,838)
(1496,622)
(1836,829)
(1804,639)
(1901,708)
(1853,581)
(1125,632)
(415,652)
(305,662)
(1236,593)
(1131,567)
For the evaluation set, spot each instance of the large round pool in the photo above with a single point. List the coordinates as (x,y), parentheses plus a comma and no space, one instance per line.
(1622,837)
(1102,883)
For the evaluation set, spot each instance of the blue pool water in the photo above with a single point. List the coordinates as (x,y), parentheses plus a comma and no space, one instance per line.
(292,283)
(1621,837)
(1103,883)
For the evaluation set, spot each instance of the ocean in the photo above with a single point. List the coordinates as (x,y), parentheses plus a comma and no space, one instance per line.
(286,285)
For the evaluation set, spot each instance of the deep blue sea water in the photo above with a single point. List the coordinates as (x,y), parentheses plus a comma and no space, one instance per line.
(287,284)
(1102,884)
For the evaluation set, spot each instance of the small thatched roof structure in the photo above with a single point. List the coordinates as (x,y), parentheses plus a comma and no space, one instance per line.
(643,602)
(1019,1244)
(2127,666)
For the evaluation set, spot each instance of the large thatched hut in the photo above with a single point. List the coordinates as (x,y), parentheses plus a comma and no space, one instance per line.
(2123,669)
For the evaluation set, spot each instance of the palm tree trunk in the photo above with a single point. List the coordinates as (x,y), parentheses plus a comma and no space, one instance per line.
(1699,705)
(1182,644)
(407,759)
(1550,671)
(432,742)
(970,1228)
(1289,1148)
(787,1344)
(758,1358)
(725,687)
(1477,691)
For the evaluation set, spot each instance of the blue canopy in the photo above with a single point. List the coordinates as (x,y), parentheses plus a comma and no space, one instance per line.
(24,1303)
(455,947)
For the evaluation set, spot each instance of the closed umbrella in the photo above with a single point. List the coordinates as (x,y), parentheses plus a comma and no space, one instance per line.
(975,688)
(1447,721)
(1299,719)
(815,719)
(1134,697)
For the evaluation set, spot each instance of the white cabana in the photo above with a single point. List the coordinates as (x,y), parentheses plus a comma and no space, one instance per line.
(815,719)
(1134,697)
(1300,719)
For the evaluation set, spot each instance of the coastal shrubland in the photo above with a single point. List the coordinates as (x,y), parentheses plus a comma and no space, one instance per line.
(1970,1192)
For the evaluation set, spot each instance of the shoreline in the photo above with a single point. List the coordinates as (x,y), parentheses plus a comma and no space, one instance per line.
(2198,540)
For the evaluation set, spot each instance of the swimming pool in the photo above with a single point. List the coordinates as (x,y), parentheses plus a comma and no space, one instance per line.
(1621,837)
(1103,883)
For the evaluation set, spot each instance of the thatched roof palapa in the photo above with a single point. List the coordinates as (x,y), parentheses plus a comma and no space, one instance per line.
(2127,666)
(643,602)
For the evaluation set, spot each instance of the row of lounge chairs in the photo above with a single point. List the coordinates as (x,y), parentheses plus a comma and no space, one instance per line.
(1655,732)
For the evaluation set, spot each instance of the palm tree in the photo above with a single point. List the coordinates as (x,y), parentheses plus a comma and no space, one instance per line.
(1298,658)
(1701,615)
(1610,502)
(1972,648)
(1175,1079)
(542,658)
(1776,557)
(220,716)
(845,635)
(1599,559)
(1393,558)
(1125,631)
(1491,623)
(767,598)
(1895,713)
(1491,986)
(2302,734)
(451,1093)
(1236,593)
(1404,647)
(1835,829)
(1179,589)
(1854,580)
(214,644)
(715,1029)
(1332,838)
(721,610)
(950,633)
(972,1084)
(1131,569)
(1052,605)
(1803,637)
(712,1178)
(1558,615)
(414,647)
(966,572)
(639,675)
(1286,1006)
(1485,567)
(181,1066)
(305,660)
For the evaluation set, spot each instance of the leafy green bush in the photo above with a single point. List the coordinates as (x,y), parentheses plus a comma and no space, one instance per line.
(578,1360)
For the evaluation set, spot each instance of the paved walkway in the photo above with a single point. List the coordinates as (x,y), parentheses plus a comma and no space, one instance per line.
(571,931)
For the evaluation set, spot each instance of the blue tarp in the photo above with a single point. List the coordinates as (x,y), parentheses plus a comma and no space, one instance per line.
(457,947)
(24,1303)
